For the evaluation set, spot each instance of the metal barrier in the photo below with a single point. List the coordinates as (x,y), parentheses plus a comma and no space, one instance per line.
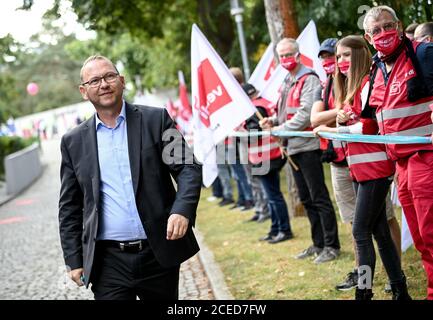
(22,168)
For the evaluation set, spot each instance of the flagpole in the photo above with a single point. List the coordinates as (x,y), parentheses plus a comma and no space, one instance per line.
(236,11)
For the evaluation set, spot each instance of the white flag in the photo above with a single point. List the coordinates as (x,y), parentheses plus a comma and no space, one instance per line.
(219,103)
(271,91)
(406,237)
(264,69)
(309,49)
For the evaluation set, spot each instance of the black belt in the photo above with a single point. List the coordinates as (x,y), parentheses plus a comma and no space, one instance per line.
(125,246)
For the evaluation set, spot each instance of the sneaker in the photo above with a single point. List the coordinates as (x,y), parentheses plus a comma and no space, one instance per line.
(327,254)
(388,288)
(350,282)
(310,251)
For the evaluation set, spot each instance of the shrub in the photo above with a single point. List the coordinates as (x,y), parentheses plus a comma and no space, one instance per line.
(10,145)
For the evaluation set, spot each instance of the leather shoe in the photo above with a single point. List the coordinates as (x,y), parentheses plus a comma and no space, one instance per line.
(268,237)
(281,236)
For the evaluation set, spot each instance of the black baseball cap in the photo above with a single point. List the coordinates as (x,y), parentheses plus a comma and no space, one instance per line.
(328,45)
(249,89)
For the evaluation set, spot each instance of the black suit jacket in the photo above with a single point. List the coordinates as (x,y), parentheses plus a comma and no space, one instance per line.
(155,194)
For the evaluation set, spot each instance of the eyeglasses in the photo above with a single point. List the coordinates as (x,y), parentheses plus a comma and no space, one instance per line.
(287,55)
(421,38)
(388,26)
(96,82)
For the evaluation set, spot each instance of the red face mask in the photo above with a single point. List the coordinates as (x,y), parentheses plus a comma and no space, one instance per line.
(386,42)
(329,65)
(344,67)
(288,63)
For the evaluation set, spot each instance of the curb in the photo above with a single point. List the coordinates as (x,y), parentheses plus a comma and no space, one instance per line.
(212,270)
(7,198)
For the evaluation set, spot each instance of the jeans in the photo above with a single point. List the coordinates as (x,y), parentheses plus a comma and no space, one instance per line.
(277,204)
(244,187)
(370,220)
(217,189)
(224,176)
(314,195)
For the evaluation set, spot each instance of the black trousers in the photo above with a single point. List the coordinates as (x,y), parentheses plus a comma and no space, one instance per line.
(370,221)
(314,195)
(119,275)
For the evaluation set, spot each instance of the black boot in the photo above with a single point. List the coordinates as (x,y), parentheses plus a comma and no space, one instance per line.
(363,294)
(399,291)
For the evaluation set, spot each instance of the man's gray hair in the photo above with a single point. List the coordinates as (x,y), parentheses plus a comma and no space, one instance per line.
(290,41)
(375,12)
(93,58)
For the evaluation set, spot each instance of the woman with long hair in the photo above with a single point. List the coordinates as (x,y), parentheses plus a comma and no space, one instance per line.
(370,169)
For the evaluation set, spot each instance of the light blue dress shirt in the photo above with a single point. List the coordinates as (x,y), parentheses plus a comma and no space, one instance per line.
(119,219)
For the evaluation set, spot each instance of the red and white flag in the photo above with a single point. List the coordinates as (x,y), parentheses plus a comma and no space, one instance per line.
(271,91)
(309,49)
(264,69)
(219,103)
(171,109)
(185,111)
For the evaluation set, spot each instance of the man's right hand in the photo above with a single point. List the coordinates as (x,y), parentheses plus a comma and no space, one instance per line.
(266,123)
(75,275)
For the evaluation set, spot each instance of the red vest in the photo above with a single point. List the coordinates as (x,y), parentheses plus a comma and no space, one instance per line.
(338,145)
(395,114)
(293,101)
(367,161)
(263,148)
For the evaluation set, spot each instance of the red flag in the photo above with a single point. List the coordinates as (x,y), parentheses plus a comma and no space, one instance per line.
(171,109)
(185,110)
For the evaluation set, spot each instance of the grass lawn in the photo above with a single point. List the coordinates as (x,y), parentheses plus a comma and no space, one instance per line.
(257,270)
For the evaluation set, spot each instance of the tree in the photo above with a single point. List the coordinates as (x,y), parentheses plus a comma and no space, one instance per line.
(282,19)
(8,92)
(163,44)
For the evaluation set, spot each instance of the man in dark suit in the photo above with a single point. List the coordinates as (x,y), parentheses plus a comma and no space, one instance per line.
(123,226)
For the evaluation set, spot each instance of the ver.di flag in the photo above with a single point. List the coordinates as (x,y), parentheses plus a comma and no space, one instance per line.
(264,69)
(219,103)
(264,78)
(271,91)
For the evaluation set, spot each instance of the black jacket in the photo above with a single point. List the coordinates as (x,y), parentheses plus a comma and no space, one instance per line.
(155,195)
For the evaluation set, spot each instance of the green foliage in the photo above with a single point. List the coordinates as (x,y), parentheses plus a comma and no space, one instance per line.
(47,64)
(10,145)
(333,19)
(152,38)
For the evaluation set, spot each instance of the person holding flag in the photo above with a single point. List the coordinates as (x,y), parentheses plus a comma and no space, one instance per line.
(294,111)
(265,154)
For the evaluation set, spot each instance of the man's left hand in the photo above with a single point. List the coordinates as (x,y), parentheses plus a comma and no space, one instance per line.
(176,226)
